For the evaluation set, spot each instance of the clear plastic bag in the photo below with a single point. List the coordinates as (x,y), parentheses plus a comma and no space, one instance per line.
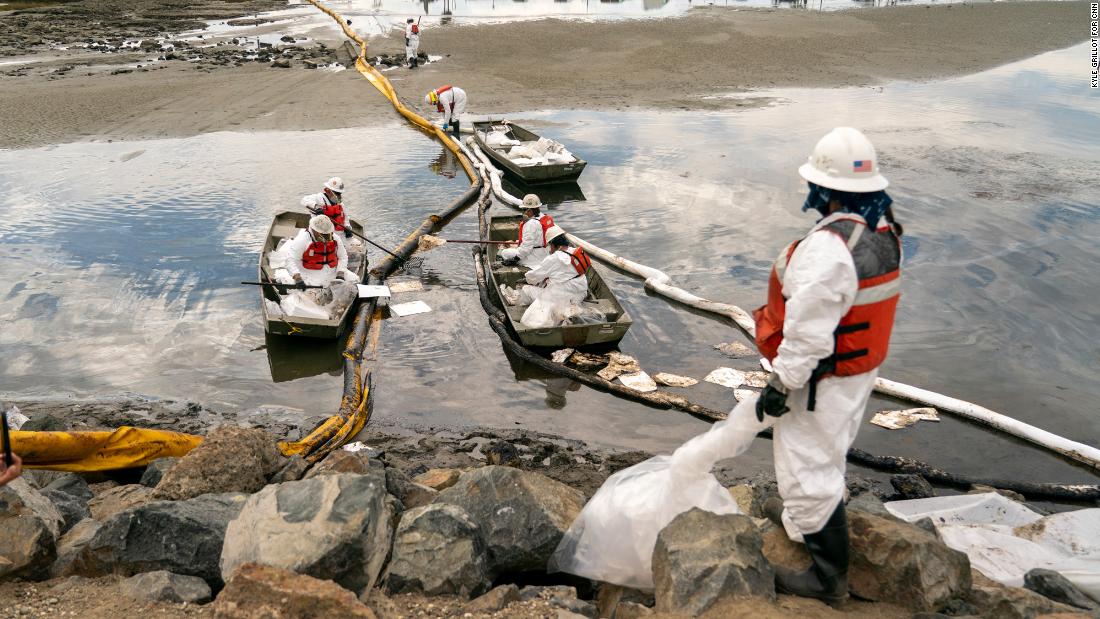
(612,539)
(583,314)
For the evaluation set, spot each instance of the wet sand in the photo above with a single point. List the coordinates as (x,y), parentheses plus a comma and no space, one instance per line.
(679,63)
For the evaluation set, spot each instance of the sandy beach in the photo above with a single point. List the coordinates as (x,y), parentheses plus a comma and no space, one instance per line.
(678,63)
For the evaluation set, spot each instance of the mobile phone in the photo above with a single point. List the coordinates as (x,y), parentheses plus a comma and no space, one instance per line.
(5,439)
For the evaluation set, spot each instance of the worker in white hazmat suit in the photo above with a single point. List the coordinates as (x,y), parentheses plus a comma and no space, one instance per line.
(532,248)
(450,101)
(317,256)
(826,329)
(329,202)
(558,282)
(412,42)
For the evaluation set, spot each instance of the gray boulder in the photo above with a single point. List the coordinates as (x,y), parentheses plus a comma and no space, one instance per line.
(71,547)
(29,528)
(996,601)
(871,504)
(293,469)
(72,508)
(1054,586)
(118,499)
(903,564)
(72,484)
(334,527)
(229,459)
(702,558)
(522,515)
(155,471)
(438,549)
(184,537)
(163,586)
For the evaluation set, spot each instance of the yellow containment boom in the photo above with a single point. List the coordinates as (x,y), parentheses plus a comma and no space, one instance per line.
(82,452)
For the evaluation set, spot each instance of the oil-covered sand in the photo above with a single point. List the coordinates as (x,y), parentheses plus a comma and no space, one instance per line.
(678,63)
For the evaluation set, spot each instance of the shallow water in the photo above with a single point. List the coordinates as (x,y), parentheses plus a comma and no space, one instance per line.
(119,262)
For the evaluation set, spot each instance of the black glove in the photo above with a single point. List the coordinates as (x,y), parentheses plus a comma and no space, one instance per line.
(300,285)
(773,400)
(347,233)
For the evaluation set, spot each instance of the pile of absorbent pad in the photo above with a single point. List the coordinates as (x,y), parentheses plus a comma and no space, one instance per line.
(542,152)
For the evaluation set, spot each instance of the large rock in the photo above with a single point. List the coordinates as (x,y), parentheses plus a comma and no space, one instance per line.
(293,469)
(1054,586)
(29,528)
(522,515)
(702,558)
(184,537)
(71,484)
(118,499)
(996,601)
(342,461)
(891,561)
(896,562)
(438,549)
(410,493)
(155,471)
(70,548)
(73,509)
(229,459)
(163,586)
(265,592)
(438,479)
(336,527)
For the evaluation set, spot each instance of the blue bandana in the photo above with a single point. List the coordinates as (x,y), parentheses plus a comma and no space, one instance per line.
(870,206)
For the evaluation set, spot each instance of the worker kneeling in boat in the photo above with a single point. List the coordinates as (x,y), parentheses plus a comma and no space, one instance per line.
(317,256)
(558,282)
(329,202)
(532,235)
(450,101)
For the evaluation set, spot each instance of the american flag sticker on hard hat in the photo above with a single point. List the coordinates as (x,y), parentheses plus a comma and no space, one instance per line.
(861,166)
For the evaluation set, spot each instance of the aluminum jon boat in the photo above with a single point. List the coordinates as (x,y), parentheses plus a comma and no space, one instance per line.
(286,226)
(531,174)
(600,298)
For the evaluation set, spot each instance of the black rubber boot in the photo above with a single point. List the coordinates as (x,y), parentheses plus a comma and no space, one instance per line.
(827,577)
(454,127)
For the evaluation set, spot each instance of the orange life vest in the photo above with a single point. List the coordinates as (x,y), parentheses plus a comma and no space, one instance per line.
(545,221)
(319,255)
(581,261)
(335,212)
(863,334)
(439,102)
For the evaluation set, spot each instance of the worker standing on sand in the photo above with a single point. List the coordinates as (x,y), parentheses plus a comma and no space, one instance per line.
(449,101)
(532,235)
(560,279)
(412,42)
(826,328)
(329,203)
(317,256)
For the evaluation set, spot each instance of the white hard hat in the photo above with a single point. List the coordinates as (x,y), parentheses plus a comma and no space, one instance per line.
(554,232)
(531,201)
(321,224)
(844,160)
(335,184)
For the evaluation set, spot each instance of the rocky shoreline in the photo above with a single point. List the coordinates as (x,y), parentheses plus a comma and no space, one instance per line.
(415,523)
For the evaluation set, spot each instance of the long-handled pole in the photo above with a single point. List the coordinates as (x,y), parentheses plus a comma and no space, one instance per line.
(377,245)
